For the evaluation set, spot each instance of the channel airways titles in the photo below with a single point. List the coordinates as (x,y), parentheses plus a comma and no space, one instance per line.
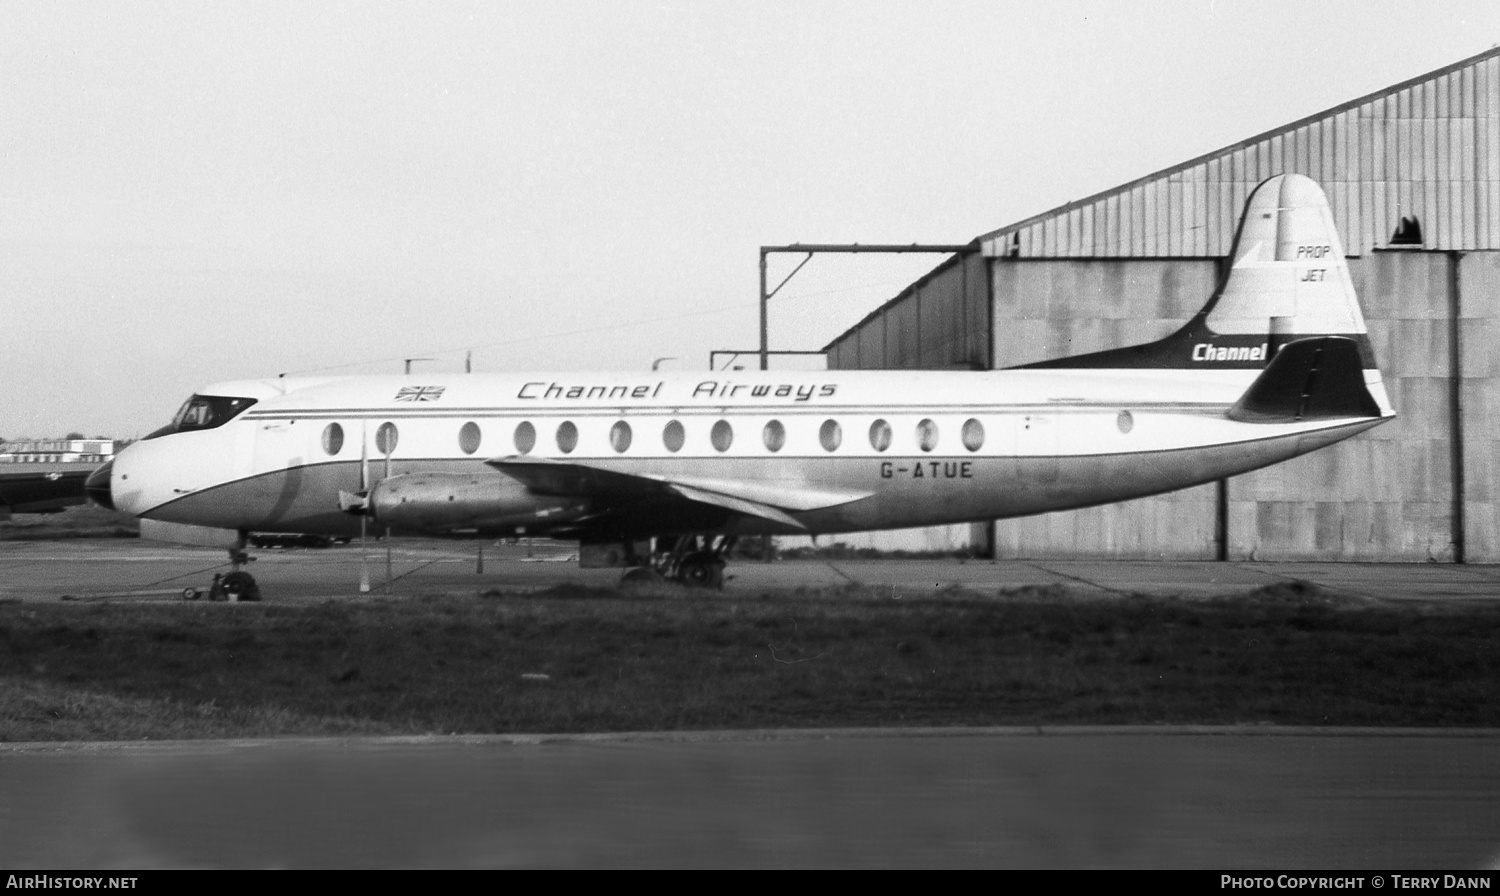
(549,391)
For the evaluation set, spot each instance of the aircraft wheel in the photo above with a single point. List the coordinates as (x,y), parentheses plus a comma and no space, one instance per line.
(701,570)
(191,594)
(240,586)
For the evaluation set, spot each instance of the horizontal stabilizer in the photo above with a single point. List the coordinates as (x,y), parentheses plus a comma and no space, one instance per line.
(1317,378)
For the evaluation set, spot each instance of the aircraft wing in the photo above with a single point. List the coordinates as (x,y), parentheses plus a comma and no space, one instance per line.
(739,505)
(770,501)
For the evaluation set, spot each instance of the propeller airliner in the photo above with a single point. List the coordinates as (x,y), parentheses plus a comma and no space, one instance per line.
(664,470)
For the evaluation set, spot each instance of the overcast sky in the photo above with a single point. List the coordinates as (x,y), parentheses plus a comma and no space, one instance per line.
(193,192)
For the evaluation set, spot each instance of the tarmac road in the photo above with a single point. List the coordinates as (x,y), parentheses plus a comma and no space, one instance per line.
(1350,801)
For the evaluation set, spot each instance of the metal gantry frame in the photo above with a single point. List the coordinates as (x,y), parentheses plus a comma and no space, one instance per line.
(811,249)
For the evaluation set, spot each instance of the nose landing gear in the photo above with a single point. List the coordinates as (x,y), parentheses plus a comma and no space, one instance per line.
(235,585)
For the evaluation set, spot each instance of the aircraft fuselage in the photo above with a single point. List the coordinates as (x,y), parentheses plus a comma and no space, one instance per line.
(823,452)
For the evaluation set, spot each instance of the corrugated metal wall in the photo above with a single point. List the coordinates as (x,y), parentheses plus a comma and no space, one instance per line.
(1478,334)
(1422,487)
(1130,265)
(938,323)
(1391,494)
(1429,148)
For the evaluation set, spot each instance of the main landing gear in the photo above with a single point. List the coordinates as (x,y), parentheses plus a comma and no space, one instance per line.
(692,560)
(235,585)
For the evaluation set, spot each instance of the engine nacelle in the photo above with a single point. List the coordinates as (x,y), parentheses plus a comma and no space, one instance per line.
(457,502)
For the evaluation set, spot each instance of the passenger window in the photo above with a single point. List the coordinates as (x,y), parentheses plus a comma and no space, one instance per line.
(1125,421)
(385,439)
(619,436)
(973,434)
(880,435)
(525,437)
(673,437)
(333,439)
(831,435)
(722,435)
(567,437)
(927,435)
(469,437)
(774,435)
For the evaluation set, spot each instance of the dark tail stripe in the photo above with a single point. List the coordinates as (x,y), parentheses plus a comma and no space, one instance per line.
(1196,347)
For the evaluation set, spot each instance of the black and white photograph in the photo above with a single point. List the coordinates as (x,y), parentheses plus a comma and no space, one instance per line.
(445,434)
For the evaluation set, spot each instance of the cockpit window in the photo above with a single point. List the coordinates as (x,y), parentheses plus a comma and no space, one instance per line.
(204,412)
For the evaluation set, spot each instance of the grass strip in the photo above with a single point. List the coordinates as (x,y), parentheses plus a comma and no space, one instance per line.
(574,659)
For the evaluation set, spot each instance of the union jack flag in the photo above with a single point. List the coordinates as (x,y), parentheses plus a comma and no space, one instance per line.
(420,393)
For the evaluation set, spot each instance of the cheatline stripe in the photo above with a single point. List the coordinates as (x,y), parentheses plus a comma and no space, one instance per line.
(1059,406)
(832,456)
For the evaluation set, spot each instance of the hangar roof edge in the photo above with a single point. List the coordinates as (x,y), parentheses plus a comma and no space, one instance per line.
(989,241)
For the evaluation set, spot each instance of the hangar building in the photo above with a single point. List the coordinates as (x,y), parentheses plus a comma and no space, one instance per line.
(1413,175)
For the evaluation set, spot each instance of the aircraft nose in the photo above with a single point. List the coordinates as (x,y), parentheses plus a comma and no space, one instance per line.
(97,486)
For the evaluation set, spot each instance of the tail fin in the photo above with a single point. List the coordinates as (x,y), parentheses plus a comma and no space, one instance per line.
(1288,280)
